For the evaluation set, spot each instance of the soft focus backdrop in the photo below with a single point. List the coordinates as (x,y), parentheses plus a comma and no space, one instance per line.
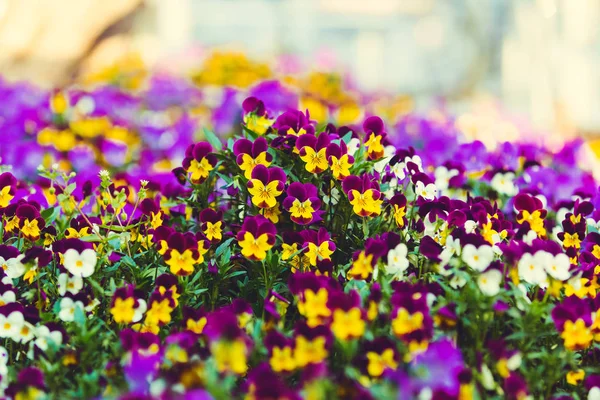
(537,57)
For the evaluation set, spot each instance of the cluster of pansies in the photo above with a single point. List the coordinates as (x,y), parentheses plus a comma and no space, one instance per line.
(298,257)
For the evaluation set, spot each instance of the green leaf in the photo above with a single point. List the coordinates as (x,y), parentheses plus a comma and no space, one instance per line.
(222,247)
(347,137)
(213,139)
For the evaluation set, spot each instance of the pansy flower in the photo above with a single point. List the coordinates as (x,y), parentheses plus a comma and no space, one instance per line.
(255,116)
(212,224)
(410,318)
(313,151)
(530,210)
(318,244)
(348,319)
(378,356)
(256,237)
(29,385)
(127,306)
(30,221)
(79,227)
(166,284)
(182,253)
(375,131)
(573,320)
(398,202)
(303,203)
(363,194)
(8,188)
(264,383)
(229,346)
(294,123)
(199,161)
(194,319)
(151,209)
(266,185)
(250,154)
(292,251)
(281,348)
(161,306)
(312,292)
(311,344)
(339,160)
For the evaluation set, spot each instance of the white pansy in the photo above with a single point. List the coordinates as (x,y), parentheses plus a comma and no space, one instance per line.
(352,146)
(457,281)
(558,266)
(92,305)
(11,325)
(399,170)
(478,258)
(593,223)
(521,297)
(561,214)
(26,333)
(503,183)
(7,297)
(67,309)
(443,176)
(391,190)
(487,378)
(530,237)
(139,311)
(71,284)
(453,245)
(489,282)
(44,337)
(531,268)
(514,362)
(594,393)
(3,362)
(80,264)
(333,199)
(397,260)
(388,153)
(470,226)
(428,192)
(13,268)
(415,160)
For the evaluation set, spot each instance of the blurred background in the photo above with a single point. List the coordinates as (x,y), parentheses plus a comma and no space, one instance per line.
(536,61)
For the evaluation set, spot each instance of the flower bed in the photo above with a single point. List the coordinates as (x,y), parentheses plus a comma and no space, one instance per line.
(294,259)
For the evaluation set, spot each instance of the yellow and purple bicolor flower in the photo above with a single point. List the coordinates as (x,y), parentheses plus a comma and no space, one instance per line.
(573,320)
(302,203)
(339,160)
(250,154)
(376,136)
(531,211)
(30,221)
(8,188)
(199,161)
(318,245)
(266,185)
(313,151)
(229,345)
(127,305)
(363,194)
(410,318)
(212,224)
(154,215)
(182,253)
(256,237)
(256,118)
(294,123)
